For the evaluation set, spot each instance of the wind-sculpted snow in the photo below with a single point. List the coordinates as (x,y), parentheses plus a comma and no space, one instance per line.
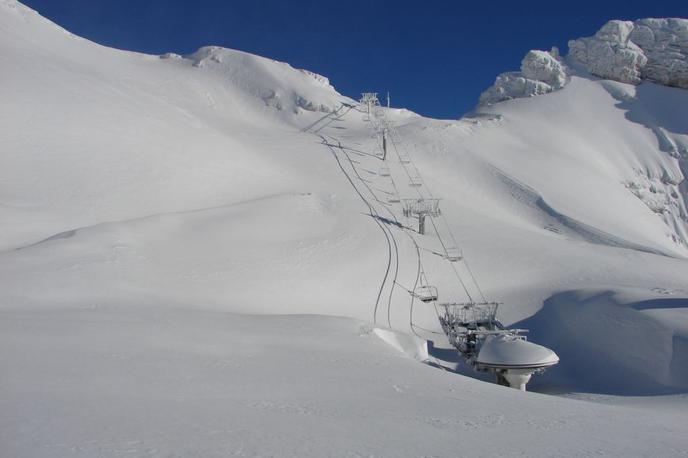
(630,52)
(614,342)
(284,87)
(541,72)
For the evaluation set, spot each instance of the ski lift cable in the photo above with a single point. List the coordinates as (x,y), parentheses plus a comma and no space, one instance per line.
(396,274)
(394,132)
(387,230)
(326,116)
(421,274)
(332,118)
(468,268)
(386,235)
(370,190)
(456,272)
(415,285)
(408,174)
(427,188)
(394,186)
(391,235)
(418,275)
(389,245)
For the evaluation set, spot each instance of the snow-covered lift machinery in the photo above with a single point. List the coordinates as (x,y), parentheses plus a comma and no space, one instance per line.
(369,100)
(420,208)
(472,328)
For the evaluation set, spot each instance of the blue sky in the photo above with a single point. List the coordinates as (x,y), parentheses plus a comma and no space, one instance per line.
(435,57)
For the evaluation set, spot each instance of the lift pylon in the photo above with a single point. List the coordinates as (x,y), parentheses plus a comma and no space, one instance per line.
(420,208)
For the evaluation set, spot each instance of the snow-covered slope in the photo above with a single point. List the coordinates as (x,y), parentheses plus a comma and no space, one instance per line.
(167,189)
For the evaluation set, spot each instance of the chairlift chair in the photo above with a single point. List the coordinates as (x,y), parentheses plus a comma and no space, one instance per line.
(426,293)
(453,254)
(384,172)
(415,182)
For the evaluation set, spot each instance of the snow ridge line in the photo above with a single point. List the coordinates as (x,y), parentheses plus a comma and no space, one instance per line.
(72,232)
(585,231)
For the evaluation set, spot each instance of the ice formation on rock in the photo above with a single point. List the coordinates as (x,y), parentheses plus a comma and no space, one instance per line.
(630,52)
(541,72)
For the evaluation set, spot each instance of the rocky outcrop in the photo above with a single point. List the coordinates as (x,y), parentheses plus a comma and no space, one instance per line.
(631,52)
(541,72)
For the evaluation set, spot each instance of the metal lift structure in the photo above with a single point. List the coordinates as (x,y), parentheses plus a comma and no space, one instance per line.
(471,327)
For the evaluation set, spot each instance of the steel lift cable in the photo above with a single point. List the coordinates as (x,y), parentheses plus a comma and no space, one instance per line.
(370,207)
(473,278)
(386,229)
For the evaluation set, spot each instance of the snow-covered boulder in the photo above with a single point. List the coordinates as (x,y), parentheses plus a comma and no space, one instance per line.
(544,66)
(609,53)
(541,72)
(665,43)
(630,52)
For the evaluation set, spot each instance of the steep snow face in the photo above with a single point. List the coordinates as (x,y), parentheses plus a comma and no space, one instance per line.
(94,134)
(644,51)
(629,52)
(636,138)
(278,84)
(541,72)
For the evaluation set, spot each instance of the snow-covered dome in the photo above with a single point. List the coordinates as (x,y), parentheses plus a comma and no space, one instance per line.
(506,351)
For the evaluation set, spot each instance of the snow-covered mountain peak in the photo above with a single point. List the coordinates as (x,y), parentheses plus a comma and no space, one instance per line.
(251,82)
(278,84)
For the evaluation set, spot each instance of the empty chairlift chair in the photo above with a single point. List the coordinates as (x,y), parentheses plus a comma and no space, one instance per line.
(425,293)
(384,171)
(415,182)
(394,199)
(453,254)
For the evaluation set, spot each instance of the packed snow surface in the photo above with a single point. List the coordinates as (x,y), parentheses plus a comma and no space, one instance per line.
(201,256)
